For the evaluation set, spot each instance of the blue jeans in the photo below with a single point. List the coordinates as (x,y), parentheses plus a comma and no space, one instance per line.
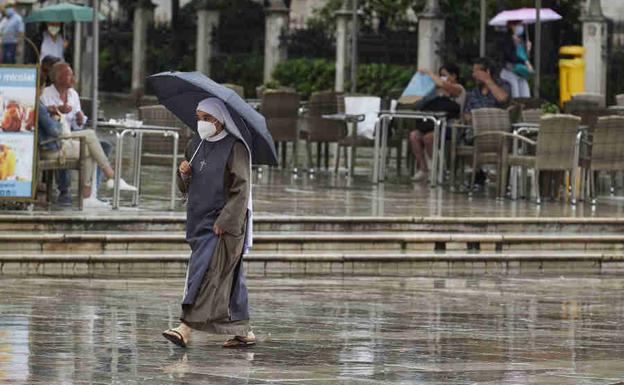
(63,177)
(8,53)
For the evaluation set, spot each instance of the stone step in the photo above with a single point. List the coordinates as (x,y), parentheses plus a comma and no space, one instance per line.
(159,221)
(131,264)
(306,241)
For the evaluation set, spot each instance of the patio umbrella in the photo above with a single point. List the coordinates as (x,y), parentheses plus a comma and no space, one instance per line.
(180,92)
(525,15)
(62,13)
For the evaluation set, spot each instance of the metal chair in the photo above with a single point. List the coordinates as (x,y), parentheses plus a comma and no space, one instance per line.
(532,115)
(281,110)
(607,149)
(316,129)
(557,149)
(158,148)
(487,123)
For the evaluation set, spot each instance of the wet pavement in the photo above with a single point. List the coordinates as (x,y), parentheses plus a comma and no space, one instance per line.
(280,192)
(321,331)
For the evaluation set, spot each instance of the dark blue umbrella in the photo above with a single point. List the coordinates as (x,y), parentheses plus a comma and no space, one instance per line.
(180,92)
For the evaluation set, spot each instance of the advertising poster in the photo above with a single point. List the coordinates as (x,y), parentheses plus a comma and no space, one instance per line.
(18,98)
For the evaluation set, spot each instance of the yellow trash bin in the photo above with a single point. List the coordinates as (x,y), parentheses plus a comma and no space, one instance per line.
(571,72)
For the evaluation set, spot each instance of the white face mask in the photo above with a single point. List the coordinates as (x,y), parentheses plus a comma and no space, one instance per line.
(206,129)
(54,30)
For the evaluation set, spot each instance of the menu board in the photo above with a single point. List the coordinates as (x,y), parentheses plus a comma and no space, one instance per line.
(18,136)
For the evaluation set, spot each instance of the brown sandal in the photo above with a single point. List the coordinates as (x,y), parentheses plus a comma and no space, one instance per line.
(176,339)
(239,342)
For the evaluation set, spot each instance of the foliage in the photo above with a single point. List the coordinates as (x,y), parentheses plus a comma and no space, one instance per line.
(312,75)
(550,108)
(306,75)
(243,69)
(115,63)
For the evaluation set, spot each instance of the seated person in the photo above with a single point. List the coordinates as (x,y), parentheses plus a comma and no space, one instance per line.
(49,128)
(490,91)
(61,98)
(449,97)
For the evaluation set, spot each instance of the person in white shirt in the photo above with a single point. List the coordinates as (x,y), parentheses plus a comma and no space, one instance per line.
(61,98)
(62,101)
(53,43)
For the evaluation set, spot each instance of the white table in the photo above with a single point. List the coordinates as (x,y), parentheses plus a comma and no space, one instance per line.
(122,129)
(436,174)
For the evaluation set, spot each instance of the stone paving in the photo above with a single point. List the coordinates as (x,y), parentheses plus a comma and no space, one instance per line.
(321,331)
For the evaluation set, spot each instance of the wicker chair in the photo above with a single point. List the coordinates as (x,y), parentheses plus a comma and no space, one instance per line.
(599,99)
(619,99)
(240,90)
(588,111)
(47,167)
(318,130)
(532,115)
(557,149)
(487,124)
(157,148)
(607,152)
(281,110)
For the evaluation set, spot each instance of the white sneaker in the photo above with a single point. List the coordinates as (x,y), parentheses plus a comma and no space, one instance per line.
(94,203)
(420,176)
(123,185)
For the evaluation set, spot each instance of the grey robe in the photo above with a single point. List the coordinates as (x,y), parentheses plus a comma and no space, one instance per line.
(215,297)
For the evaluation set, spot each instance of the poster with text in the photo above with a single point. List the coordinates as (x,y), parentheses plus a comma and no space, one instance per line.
(18,102)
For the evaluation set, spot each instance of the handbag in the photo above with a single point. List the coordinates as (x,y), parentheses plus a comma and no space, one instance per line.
(522,69)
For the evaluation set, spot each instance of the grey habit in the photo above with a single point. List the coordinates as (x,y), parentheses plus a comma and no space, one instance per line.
(215,297)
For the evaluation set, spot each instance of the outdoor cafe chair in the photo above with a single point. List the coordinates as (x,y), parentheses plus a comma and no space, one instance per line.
(48,168)
(532,115)
(557,149)
(487,123)
(591,97)
(281,111)
(589,112)
(619,100)
(316,129)
(607,149)
(370,107)
(157,148)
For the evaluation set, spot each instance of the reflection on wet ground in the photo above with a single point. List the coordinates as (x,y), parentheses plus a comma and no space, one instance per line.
(321,331)
(279,192)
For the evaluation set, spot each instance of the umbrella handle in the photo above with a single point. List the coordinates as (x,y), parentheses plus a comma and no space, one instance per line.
(195,153)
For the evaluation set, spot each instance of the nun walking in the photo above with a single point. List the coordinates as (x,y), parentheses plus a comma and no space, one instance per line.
(216,179)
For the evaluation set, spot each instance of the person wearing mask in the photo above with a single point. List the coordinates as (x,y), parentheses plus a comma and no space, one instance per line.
(216,177)
(518,67)
(450,97)
(12,32)
(53,43)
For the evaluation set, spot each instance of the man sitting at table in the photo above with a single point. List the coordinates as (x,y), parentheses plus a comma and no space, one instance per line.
(61,99)
(490,92)
(68,148)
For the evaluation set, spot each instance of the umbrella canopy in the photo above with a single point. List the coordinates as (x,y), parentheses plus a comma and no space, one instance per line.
(180,92)
(525,15)
(62,13)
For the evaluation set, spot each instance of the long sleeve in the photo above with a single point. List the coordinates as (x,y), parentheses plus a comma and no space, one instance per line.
(183,183)
(51,127)
(233,216)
